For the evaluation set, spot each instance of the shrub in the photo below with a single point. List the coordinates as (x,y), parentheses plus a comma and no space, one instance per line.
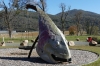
(71,33)
(94,38)
(98,41)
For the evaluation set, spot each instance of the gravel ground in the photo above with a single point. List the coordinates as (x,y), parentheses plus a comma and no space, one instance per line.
(18,57)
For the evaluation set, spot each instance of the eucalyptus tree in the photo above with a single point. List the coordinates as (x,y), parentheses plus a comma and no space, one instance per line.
(78,18)
(9,14)
(64,15)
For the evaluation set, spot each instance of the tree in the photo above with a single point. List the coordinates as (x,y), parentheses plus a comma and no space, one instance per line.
(95,30)
(78,17)
(9,14)
(64,15)
(19,4)
(72,30)
(90,25)
(42,5)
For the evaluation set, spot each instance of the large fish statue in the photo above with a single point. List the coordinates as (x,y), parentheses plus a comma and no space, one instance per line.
(52,45)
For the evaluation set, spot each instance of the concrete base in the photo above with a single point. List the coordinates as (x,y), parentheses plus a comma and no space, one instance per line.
(81,43)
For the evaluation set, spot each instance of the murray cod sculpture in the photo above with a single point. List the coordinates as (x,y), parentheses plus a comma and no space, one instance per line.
(52,45)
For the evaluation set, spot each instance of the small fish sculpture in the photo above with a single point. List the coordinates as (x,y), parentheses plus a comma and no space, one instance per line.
(52,45)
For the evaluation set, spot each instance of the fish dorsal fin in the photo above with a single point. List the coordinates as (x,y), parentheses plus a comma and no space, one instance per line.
(31,7)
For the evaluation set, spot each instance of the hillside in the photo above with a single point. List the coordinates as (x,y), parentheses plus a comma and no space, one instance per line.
(87,16)
(29,21)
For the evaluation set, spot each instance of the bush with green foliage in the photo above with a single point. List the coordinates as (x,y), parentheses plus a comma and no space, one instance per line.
(95,38)
(71,33)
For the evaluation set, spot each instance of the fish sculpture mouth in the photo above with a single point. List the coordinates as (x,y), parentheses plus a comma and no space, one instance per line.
(58,59)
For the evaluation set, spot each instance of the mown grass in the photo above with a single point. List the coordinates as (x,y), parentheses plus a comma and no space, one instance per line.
(21,38)
(17,40)
(4,47)
(90,48)
(82,38)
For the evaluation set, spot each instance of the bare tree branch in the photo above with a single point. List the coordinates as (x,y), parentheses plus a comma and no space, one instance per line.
(64,15)
(77,18)
(9,15)
(42,5)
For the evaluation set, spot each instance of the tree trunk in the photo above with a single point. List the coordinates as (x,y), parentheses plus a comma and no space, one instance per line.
(10,33)
(63,27)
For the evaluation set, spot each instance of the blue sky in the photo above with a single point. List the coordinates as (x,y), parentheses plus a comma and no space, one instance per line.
(87,5)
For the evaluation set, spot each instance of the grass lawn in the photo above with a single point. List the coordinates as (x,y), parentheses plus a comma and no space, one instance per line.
(90,48)
(4,47)
(82,38)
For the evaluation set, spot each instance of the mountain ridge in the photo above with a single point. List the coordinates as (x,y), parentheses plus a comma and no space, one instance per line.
(31,20)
